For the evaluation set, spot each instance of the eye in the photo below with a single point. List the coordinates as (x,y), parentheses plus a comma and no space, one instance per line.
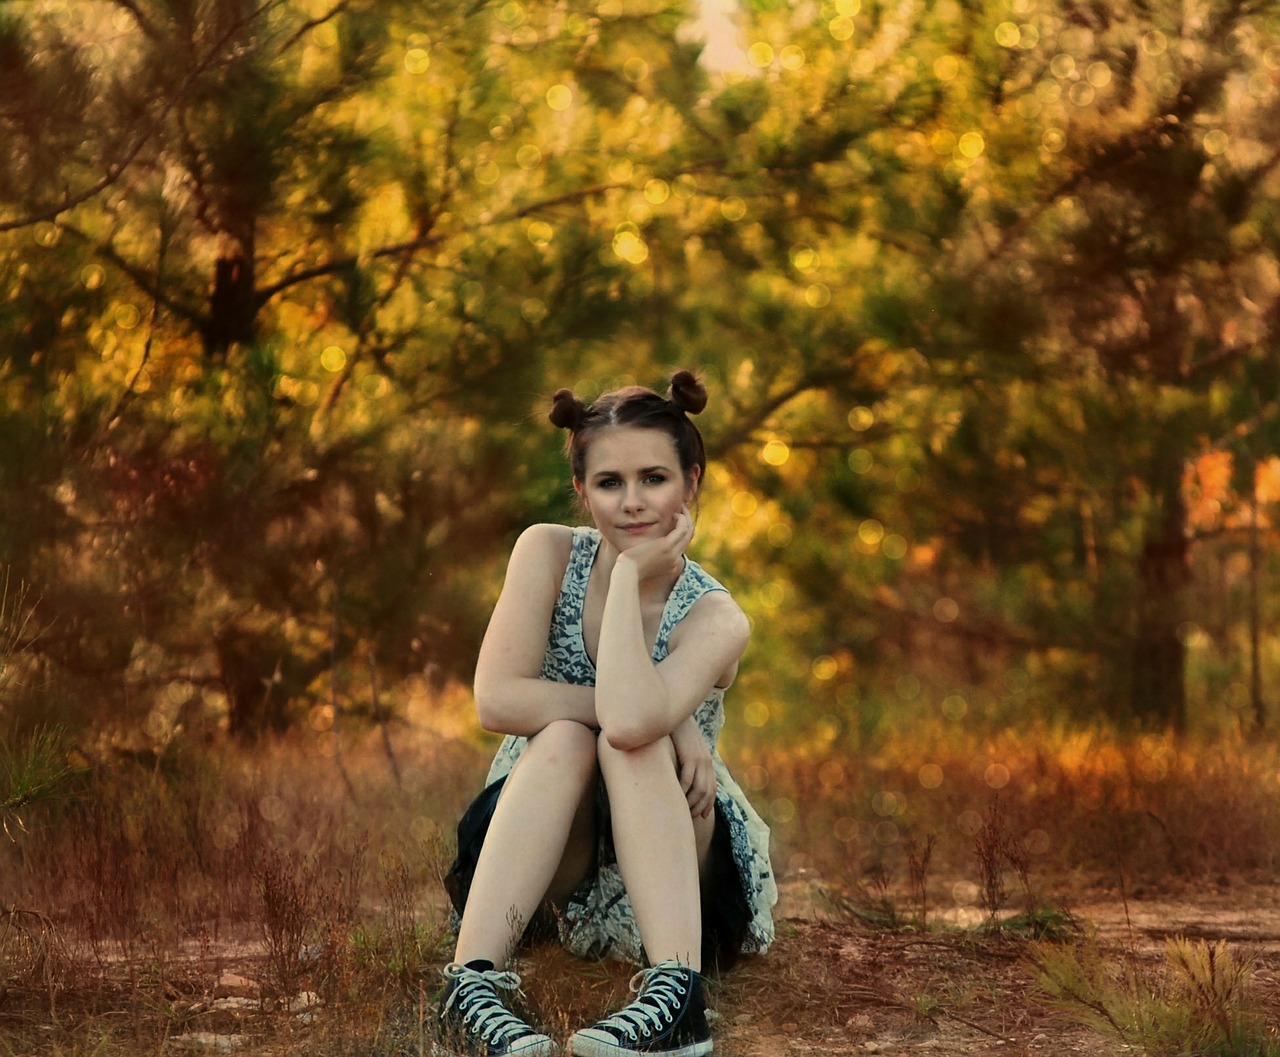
(656,478)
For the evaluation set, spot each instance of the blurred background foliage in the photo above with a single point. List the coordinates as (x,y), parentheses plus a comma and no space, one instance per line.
(985,293)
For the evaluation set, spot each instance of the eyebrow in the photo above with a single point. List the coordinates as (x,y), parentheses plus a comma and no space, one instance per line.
(642,472)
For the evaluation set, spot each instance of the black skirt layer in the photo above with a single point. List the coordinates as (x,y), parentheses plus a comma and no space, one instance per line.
(725,911)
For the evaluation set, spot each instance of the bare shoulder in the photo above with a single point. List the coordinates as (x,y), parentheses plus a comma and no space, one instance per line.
(540,555)
(544,538)
(715,613)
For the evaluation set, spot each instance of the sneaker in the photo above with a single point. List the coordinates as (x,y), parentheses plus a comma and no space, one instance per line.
(473,1018)
(668,1017)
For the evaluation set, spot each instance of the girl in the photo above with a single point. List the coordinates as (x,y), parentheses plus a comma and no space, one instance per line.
(608,814)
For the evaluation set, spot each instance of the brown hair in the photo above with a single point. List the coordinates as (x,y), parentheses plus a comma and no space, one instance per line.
(641,408)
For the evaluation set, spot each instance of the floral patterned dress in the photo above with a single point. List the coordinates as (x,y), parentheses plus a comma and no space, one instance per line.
(599,920)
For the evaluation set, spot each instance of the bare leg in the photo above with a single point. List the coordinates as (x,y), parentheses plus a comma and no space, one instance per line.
(660,848)
(528,850)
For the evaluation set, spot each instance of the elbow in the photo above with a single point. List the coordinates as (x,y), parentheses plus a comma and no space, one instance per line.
(488,709)
(628,737)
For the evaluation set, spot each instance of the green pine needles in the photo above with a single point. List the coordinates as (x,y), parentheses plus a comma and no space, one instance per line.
(1197,1004)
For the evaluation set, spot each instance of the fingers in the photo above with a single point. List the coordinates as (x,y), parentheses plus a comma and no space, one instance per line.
(701,794)
(688,774)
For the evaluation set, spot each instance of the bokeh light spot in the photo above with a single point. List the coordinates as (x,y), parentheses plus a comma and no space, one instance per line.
(1216,142)
(630,247)
(539,232)
(375,386)
(886,833)
(894,546)
(333,358)
(803,258)
(817,295)
(943,142)
(756,714)
(824,668)
(1082,93)
(779,534)
(888,804)
(908,687)
(860,460)
(930,776)
(744,504)
(635,69)
(791,57)
(1053,139)
(832,774)
(945,610)
(559,97)
(733,209)
(841,27)
(657,191)
(417,60)
(1008,35)
(272,808)
(529,156)
(775,452)
(846,830)
(946,67)
(861,418)
(996,776)
(972,144)
(871,532)
(760,54)
(955,707)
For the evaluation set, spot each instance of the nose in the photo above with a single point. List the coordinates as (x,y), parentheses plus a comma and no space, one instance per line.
(632,500)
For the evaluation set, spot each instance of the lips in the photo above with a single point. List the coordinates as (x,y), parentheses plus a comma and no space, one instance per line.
(637,526)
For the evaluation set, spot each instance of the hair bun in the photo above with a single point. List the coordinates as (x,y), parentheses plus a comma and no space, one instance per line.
(687,392)
(567,411)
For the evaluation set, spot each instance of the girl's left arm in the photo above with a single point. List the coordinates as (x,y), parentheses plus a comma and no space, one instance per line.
(637,701)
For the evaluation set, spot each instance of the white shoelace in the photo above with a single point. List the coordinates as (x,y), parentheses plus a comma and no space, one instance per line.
(660,997)
(481,1008)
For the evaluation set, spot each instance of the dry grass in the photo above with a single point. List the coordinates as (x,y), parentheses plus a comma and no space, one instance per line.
(128,903)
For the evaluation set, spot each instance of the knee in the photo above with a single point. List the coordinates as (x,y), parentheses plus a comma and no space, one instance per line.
(566,745)
(659,755)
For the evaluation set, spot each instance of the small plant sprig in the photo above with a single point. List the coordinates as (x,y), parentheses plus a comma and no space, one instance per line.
(31,771)
(918,857)
(1199,1002)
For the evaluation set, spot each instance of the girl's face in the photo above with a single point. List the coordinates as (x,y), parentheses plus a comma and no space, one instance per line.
(634,487)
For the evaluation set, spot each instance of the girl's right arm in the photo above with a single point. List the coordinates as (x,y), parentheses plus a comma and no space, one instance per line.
(511,697)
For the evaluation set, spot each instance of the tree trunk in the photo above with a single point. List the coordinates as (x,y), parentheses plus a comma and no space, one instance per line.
(233,304)
(1158,697)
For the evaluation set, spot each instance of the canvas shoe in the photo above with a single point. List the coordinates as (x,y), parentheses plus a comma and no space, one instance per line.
(668,1017)
(475,1021)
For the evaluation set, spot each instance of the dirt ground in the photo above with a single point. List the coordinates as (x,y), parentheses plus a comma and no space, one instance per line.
(837,988)
(833,984)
